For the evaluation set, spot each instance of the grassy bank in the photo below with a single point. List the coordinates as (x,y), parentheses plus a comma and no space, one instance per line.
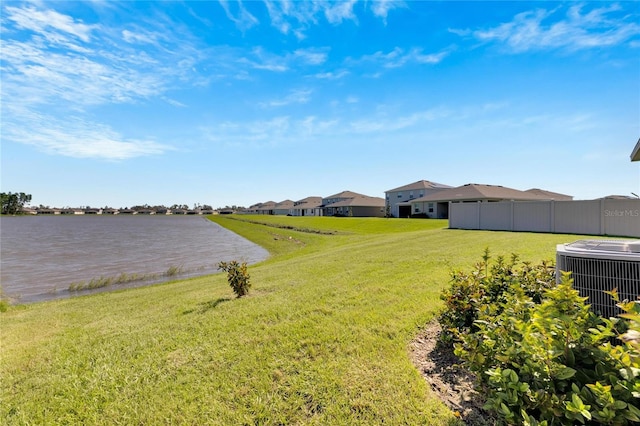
(321,339)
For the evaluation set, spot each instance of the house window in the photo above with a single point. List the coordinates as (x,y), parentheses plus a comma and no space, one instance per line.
(430,207)
(399,194)
(417,209)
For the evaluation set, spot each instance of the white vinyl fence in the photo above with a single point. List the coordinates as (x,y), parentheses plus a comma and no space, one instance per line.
(591,217)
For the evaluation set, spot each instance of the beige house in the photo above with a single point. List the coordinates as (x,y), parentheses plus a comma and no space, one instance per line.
(396,199)
(310,206)
(436,206)
(330,206)
(283,207)
(262,208)
(359,206)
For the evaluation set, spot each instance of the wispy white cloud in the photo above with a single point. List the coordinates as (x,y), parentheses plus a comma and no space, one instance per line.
(381,8)
(295,97)
(242,18)
(332,75)
(339,11)
(399,57)
(52,25)
(56,66)
(261,59)
(311,56)
(386,122)
(76,137)
(400,122)
(296,17)
(547,29)
(41,63)
(283,130)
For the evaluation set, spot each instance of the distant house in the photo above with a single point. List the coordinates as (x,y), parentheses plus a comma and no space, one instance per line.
(309,206)
(266,207)
(437,205)
(397,198)
(635,154)
(253,209)
(359,206)
(72,211)
(548,195)
(283,207)
(349,203)
(328,203)
(617,197)
(46,210)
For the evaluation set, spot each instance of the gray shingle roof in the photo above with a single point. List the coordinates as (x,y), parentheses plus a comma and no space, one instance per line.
(551,195)
(421,184)
(362,201)
(345,194)
(286,204)
(308,203)
(480,192)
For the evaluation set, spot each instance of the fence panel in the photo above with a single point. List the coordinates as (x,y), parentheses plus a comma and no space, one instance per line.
(495,216)
(464,215)
(533,216)
(587,217)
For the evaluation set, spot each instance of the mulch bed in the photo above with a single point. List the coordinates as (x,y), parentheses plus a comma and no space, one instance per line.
(448,378)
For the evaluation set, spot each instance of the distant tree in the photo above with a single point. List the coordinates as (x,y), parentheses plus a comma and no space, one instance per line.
(13,203)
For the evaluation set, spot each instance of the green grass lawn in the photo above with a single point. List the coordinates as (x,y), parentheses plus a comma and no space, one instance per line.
(321,339)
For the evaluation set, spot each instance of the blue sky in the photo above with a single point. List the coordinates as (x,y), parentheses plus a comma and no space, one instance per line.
(223,103)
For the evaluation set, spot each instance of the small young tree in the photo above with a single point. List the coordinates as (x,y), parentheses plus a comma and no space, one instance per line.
(237,276)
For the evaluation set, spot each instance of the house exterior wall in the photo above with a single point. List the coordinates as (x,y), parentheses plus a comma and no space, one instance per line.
(588,217)
(368,211)
(316,211)
(394,198)
(428,209)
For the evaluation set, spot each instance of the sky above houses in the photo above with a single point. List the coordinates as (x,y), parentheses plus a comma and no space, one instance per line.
(234,103)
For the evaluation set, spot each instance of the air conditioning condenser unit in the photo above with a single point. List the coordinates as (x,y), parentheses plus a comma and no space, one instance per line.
(597,266)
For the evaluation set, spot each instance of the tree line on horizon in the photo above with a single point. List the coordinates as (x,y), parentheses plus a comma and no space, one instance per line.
(15,203)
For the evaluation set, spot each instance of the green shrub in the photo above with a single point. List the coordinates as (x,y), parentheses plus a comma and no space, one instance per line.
(237,276)
(547,360)
(487,287)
